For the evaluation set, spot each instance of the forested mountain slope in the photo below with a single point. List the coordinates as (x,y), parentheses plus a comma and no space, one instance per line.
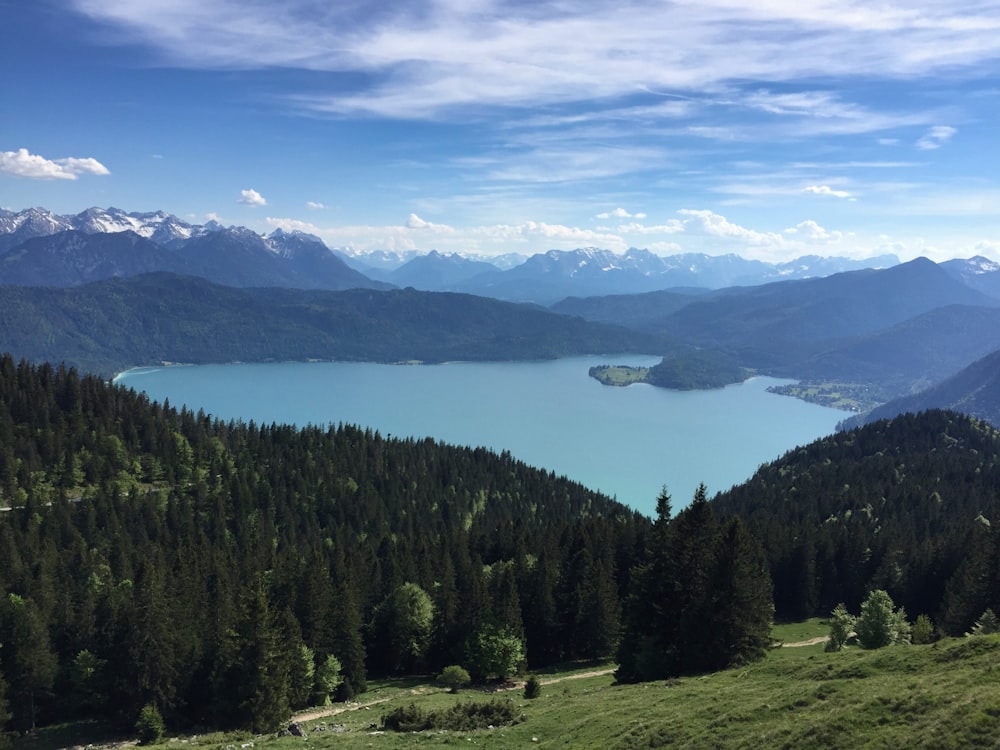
(112,325)
(908,505)
(975,390)
(206,568)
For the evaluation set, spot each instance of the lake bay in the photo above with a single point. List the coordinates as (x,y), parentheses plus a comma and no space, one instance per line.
(626,442)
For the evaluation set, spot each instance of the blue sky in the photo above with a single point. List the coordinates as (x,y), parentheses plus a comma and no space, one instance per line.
(768,128)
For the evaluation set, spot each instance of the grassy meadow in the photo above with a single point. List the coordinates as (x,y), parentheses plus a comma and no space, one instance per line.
(945,695)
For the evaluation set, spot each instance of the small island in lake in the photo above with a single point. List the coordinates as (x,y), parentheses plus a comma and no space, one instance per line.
(698,369)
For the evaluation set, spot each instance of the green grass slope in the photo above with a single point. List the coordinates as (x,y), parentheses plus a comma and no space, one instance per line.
(939,696)
(943,696)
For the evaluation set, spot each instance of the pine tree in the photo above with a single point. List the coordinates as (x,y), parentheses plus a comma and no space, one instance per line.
(257,676)
(5,714)
(28,659)
(738,628)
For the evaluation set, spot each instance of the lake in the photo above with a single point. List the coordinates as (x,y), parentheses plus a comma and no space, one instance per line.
(626,442)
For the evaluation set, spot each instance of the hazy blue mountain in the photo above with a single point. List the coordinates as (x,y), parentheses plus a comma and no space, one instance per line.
(548,277)
(110,325)
(974,390)
(897,329)
(314,266)
(631,310)
(915,353)
(787,322)
(978,272)
(71,258)
(436,272)
(377,264)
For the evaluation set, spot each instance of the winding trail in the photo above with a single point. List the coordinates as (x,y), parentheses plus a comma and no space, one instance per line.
(322,713)
(810,642)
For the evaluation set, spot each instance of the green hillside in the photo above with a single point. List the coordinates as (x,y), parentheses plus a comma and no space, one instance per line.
(112,325)
(936,697)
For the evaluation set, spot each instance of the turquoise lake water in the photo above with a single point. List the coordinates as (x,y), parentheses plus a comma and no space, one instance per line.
(626,442)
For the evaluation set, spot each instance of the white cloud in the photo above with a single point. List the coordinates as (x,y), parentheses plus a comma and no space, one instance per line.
(415,222)
(315,205)
(717,225)
(827,190)
(619,213)
(25,164)
(810,230)
(936,137)
(430,58)
(251,197)
(671,227)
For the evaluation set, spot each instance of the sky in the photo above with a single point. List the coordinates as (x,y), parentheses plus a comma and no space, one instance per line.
(767,128)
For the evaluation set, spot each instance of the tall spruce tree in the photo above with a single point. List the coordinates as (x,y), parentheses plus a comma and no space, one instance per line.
(741,612)
(702,600)
(28,659)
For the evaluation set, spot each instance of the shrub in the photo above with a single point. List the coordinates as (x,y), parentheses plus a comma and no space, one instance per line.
(532,688)
(149,726)
(923,630)
(462,717)
(410,718)
(453,677)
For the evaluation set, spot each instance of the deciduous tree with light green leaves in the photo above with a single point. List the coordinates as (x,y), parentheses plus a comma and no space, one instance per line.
(402,624)
(841,626)
(495,651)
(880,624)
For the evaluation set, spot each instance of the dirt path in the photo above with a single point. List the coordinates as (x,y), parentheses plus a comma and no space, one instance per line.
(578,676)
(810,642)
(322,713)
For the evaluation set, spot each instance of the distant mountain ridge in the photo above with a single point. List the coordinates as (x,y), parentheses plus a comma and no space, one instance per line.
(236,256)
(551,276)
(38,248)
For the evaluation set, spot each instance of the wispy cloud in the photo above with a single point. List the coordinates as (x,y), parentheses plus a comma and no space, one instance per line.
(827,190)
(315,205)
(251,197)
(427,58)
(25,164)
(936,137)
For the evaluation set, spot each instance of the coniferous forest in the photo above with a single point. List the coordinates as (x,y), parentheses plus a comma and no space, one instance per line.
(229,573)
(225,574)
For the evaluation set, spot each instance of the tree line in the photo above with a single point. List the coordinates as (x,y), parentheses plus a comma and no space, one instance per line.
(226,573)
(908,505)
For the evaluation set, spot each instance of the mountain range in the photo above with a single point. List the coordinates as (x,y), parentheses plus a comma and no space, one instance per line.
(150,287)
(553,275)
(36,249)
